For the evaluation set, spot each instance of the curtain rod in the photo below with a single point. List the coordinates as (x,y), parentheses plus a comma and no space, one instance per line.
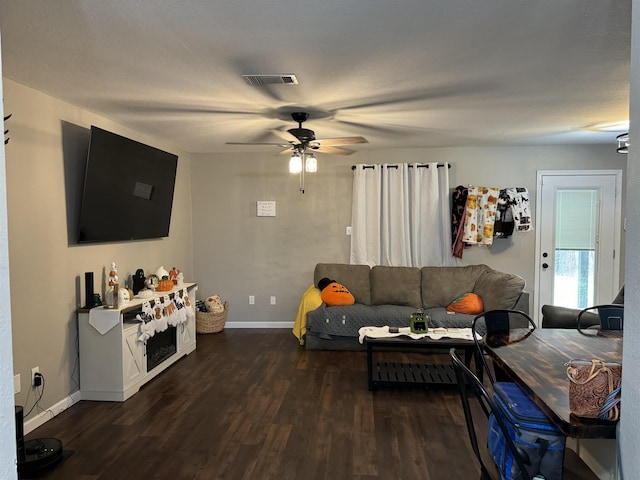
(421,165)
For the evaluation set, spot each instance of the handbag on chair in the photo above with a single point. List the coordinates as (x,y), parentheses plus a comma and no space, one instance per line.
(594,388)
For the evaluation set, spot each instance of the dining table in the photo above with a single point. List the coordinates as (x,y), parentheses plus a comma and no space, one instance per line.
(536,360)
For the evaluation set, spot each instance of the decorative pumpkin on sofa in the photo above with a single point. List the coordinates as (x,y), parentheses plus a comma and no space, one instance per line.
(334,293)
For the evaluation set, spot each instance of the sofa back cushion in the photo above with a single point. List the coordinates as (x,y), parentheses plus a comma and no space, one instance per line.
(499,290)
(442,285)
(395,286)
(354,277)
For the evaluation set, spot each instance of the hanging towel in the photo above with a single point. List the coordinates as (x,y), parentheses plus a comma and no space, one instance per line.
(481,206)
(521,211)
(458,210)
(458,201)
(504,216)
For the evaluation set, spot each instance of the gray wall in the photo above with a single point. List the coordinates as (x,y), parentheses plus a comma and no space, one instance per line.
(629,438)
(238,254)
(49,141)
(7,425)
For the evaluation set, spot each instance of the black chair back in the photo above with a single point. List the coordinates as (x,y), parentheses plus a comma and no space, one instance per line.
(498,323)
(469,384)
(611,316)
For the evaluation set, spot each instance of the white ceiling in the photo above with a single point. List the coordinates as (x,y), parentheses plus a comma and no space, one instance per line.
(404,73)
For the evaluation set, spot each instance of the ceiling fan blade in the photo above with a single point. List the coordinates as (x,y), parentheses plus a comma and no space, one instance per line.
(333,150)
(287,151)
(340,141)
(257,143)
(286,136)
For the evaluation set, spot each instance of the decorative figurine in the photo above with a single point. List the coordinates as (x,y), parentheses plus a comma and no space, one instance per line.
(152,282)
(419,322)
(123,296)
(173,275)
(161,273)
(113,274)
(138,281)
(111,293)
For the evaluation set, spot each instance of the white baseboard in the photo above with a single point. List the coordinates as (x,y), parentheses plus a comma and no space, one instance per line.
(258,325)
(43,417)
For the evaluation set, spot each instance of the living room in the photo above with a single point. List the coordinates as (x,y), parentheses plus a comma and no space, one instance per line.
(216,239)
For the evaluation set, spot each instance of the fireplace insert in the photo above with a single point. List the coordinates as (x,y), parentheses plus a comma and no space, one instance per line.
(160,347)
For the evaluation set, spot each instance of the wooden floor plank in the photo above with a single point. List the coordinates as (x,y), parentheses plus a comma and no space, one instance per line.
(253,404)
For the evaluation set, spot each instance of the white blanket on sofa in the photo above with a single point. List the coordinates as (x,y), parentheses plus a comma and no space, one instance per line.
(433,333)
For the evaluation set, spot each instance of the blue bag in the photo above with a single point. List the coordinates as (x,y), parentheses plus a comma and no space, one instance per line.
(540,442)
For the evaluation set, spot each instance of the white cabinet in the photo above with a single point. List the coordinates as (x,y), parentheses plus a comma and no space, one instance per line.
(133,356)
(113,361)
(187,336)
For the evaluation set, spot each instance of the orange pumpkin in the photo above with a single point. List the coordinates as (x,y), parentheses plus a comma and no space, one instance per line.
(334,293)
(469,303)
(165,285)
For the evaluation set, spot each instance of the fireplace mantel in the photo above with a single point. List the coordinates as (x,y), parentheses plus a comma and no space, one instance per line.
(113,361)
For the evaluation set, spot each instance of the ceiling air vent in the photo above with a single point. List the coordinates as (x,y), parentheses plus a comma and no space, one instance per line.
(278,79)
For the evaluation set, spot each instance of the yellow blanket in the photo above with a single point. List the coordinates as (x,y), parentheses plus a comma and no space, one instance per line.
(310,301)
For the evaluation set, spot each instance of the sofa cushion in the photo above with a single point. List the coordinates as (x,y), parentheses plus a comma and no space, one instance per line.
(395,286)
(442,285)
(499,290)
(354,277)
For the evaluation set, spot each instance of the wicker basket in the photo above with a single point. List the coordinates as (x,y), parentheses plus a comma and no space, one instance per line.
(211,322)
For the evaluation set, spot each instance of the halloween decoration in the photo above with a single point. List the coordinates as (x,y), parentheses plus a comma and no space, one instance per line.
(214,304)
(152,281)
(162,272)
(138,281)
(334,293)
(165,285)
(113,274)
(173,275)
(469,303)
(419,322)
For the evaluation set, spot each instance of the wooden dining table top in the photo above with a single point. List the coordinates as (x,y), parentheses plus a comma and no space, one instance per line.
(536,361)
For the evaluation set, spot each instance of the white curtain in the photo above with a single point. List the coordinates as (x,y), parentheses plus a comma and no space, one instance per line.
(401,215)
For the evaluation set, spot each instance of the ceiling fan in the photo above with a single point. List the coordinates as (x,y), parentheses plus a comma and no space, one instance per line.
(299,140)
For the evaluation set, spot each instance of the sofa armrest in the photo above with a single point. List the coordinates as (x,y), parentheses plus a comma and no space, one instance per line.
(523,302)
(563,317)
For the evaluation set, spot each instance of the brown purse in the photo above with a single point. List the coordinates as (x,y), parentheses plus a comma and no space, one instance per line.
(594,388)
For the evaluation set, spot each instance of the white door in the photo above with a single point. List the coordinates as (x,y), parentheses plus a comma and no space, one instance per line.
(578,237)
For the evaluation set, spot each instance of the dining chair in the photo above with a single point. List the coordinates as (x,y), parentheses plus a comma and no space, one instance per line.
(476,398)
(498,323)
(610,316)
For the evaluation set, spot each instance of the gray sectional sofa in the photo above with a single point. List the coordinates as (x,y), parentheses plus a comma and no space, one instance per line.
(389,295)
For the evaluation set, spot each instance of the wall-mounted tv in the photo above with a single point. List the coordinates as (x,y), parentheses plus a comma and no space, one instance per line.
(128,190)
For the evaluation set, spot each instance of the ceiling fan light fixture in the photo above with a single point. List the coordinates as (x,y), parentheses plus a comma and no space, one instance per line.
(310,163)
(295,163)
(623,143)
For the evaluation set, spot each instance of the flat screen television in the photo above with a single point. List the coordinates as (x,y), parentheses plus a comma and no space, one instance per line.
(128,190)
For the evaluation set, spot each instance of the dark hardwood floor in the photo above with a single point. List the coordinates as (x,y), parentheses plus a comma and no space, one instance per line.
(252,404)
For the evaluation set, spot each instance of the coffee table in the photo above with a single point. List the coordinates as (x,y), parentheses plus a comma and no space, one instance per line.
(394,374)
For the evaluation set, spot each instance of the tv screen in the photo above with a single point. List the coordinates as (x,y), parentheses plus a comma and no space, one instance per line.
(128,190)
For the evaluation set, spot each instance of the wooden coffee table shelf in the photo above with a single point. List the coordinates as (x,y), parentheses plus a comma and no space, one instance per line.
(398,374)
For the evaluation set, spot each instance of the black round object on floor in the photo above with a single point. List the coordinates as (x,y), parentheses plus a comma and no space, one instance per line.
(40,454)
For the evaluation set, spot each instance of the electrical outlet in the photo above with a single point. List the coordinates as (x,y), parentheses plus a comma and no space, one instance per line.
(252,300)
(273,299)
(16,384)
(34,370)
